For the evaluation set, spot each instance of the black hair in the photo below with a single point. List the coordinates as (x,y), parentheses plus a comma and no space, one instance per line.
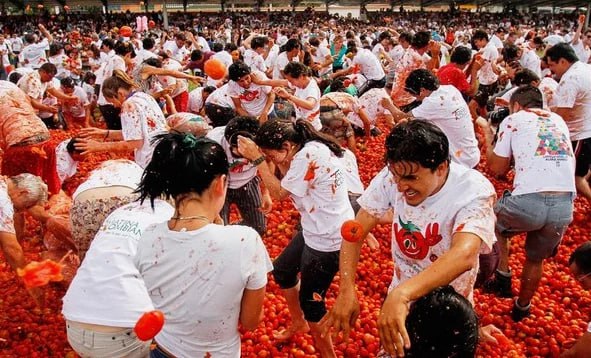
(123,48)
(525,77)
(480,35)
(510,53)
(245,126)
(217,47)
(384,35)
(296,69)
(421,39)
(49,68)
(154,62)
(582,257)
(209,89)
(258,42)
(196,55)
(14,77)
(442,324)
(200,160)
(273,134)
(89,76)
(67,82)
(237,70)
(461,55)
(54,49)
(109,43)
(336,85)
(314,41)
(421,78)
(561,50)
(230,47)
(71,146)
(528,96)
(148,43)
(406,36)
(290,45)
(417,141)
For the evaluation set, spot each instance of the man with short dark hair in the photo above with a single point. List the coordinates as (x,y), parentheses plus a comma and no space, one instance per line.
(572,101)
(461,65)
(580,267)
(489,72)
(33,54)
(541,203)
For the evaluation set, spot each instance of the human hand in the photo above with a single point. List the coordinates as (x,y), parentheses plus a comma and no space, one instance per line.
(248,148)
(266,203)
(87,146)
(281,92)
(92,132)
(392,323)
(343,314)
(492,334)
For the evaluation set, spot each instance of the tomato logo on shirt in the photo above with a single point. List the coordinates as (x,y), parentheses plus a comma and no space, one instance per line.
(249,96)
(412,242)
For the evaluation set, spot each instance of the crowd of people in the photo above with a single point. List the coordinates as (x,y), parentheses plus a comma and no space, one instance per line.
(154,232)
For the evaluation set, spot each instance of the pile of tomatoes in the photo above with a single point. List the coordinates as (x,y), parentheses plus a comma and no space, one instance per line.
(560,309)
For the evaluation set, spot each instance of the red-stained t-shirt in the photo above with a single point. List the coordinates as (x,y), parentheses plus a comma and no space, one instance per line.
(450,74)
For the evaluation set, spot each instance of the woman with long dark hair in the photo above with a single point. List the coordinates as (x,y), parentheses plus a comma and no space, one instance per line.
(314,178)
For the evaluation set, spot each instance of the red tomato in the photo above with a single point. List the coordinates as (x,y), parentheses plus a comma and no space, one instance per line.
(149,324)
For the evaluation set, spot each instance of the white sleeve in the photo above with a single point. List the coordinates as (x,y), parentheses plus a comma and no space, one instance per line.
(566,94)
(131,122)
(503,146)
(294,180)
(424,111)
(379,196)
(256,262)
(6,213)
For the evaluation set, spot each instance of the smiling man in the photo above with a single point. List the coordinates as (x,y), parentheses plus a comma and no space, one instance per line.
(442,220)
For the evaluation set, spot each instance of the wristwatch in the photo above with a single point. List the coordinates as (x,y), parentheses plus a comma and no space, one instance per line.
(258,161)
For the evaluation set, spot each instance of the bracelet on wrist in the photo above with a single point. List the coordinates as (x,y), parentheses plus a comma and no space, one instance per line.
(258,161)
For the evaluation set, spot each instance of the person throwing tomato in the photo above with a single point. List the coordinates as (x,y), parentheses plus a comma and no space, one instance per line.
(442,220)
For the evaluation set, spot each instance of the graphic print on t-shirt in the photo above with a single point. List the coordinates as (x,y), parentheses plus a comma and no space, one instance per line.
(249,95)
(412,242)
(553,143)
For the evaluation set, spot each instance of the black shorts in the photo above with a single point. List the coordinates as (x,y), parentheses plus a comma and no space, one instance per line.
(317,271)
(582,149)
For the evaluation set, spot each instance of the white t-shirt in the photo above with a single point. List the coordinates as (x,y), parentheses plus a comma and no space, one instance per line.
(253,98)
(6,209)
(446,108)
(583,52)
(79,109)
(352,179)
(220,97)
(540,144)
(121,172)
(317,184)
(195,100)
(180,85)
(33,55)
(421,234)
(369,65)
(255,61)
(143,55)
(320,57)
(280,62)
(65,165)
(310,115)
(113,62)
(531,61)
(108,289)
(486,75)
(142,119)
(241,170)
(197,279)
(574,91)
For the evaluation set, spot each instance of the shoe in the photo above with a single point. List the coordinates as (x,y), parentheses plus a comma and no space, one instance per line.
(499,285)
(518,313)
(375,132)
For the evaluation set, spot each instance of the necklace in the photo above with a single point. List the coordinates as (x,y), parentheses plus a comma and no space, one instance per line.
(196,217)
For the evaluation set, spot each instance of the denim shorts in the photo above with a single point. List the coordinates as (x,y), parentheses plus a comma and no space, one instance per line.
(543,216)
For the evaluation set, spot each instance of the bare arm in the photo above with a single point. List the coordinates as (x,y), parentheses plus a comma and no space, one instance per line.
(13,252)
(581,349)
(251,308)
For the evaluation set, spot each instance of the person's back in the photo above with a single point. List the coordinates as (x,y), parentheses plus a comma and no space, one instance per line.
(197,278)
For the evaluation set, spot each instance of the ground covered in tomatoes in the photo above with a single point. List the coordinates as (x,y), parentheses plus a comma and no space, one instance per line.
(560,308)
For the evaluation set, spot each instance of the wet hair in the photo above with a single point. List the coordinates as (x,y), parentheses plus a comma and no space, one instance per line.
(296,69)
(421,39)
(109,43)
(148,43)
(71,146)
(237,70)
(217,47)
(528,96)
(154,62)
(561,50)
(417,141)
(291,44)
(273,134)
(49,68)
(124,48)
(67,82)
(442,324)
(196,55)
(384,35)
(525,77)
(510,53)
(421,78)
(335,85)
(461,55)
(119,80)
(314,41)
(35,187)
(258,42)
(405,36)
(230,47)
(200,160)
(245,126)
(14,77)
(89,76)
(582,257)
(209,89)
(480,35)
